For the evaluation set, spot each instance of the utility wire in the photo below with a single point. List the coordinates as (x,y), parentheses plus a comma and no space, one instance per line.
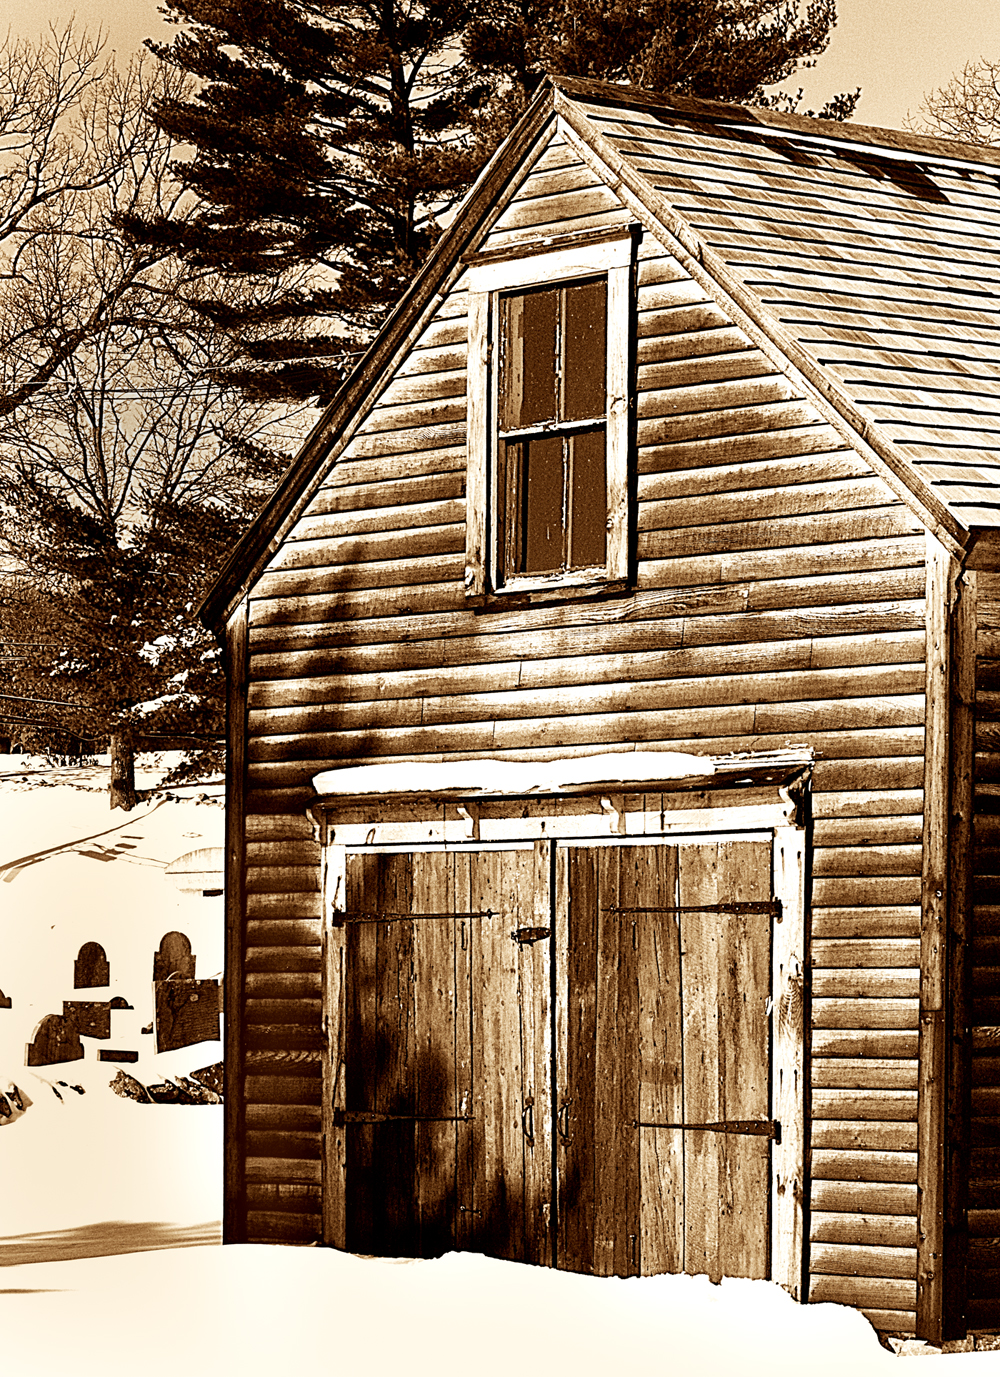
(48,727)
(45,702)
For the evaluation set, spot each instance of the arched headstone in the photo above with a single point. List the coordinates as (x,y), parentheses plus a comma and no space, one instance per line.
(56,1039)
(174,958)
(91,967)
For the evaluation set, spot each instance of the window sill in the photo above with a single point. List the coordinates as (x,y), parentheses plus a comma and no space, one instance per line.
(534,593)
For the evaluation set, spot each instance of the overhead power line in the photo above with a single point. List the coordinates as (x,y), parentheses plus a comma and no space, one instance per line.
(48,727)
(45,702)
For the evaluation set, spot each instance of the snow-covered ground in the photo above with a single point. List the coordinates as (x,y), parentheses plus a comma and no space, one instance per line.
(109,1209)
(255,1310)
(73,872)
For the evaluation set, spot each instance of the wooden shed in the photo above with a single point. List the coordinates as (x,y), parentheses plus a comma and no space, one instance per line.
(613,875)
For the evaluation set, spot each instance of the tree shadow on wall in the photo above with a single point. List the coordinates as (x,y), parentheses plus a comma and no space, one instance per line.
(420,1187)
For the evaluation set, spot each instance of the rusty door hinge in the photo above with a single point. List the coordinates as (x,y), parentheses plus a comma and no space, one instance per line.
(772,907)
(345,916)
(756,1128)
(364,1116)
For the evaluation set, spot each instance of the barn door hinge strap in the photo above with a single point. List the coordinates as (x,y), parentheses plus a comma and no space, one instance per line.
(525,935)
(364,1116)
(756,1128)
(772,907)
(345,916)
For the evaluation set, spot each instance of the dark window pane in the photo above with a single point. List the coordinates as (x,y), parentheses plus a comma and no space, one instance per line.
(542,506)
(584,350)
(509,507)
(528,378)
(588,499)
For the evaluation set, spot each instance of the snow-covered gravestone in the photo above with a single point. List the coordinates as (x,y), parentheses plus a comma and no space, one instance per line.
(187,1012)
(186,1009)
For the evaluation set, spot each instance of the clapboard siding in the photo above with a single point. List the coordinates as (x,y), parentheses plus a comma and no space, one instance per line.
(779,597)
(684,645)
(560,190)
(361,681)
(878,571)
(575,693)
(313,535)
(283,1042)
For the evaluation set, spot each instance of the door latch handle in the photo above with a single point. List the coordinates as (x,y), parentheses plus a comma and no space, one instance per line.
(525,936)
(562,1121)
(528,1120)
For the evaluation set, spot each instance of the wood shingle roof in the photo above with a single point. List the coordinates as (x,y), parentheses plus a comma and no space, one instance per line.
(881,260)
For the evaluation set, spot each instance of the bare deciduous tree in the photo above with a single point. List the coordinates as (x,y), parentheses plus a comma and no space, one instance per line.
(126,471)
(77,150)
(122,488)
(966,108)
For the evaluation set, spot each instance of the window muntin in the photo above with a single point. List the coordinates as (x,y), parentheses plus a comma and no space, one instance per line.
(552,440)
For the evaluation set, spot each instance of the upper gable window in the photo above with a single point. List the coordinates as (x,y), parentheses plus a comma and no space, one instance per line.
(548,420)
(552,429)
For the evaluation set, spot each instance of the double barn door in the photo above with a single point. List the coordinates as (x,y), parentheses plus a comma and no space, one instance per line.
(559,1055)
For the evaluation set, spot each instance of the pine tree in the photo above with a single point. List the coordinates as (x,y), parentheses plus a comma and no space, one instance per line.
(119,658)
(328,136)
(325,136)
(729,50)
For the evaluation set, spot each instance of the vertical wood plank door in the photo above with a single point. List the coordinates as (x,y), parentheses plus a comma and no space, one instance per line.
(447,1057)
(663,1059)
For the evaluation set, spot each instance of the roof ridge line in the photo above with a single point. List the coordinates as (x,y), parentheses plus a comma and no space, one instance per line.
(874,139)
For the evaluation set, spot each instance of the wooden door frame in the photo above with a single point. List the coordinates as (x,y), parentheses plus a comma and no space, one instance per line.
(359,825)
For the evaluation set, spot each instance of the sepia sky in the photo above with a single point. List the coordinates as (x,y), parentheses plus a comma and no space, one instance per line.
(896,50)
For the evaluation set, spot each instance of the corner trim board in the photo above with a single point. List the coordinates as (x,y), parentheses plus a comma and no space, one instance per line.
(931,1074)
(234,1216)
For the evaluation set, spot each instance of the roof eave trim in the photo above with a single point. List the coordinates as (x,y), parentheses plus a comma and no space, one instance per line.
(243,564)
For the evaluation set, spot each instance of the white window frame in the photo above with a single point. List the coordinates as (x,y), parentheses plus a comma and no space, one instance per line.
(613,259)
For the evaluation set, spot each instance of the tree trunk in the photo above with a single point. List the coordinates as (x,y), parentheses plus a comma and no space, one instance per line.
(122,785)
